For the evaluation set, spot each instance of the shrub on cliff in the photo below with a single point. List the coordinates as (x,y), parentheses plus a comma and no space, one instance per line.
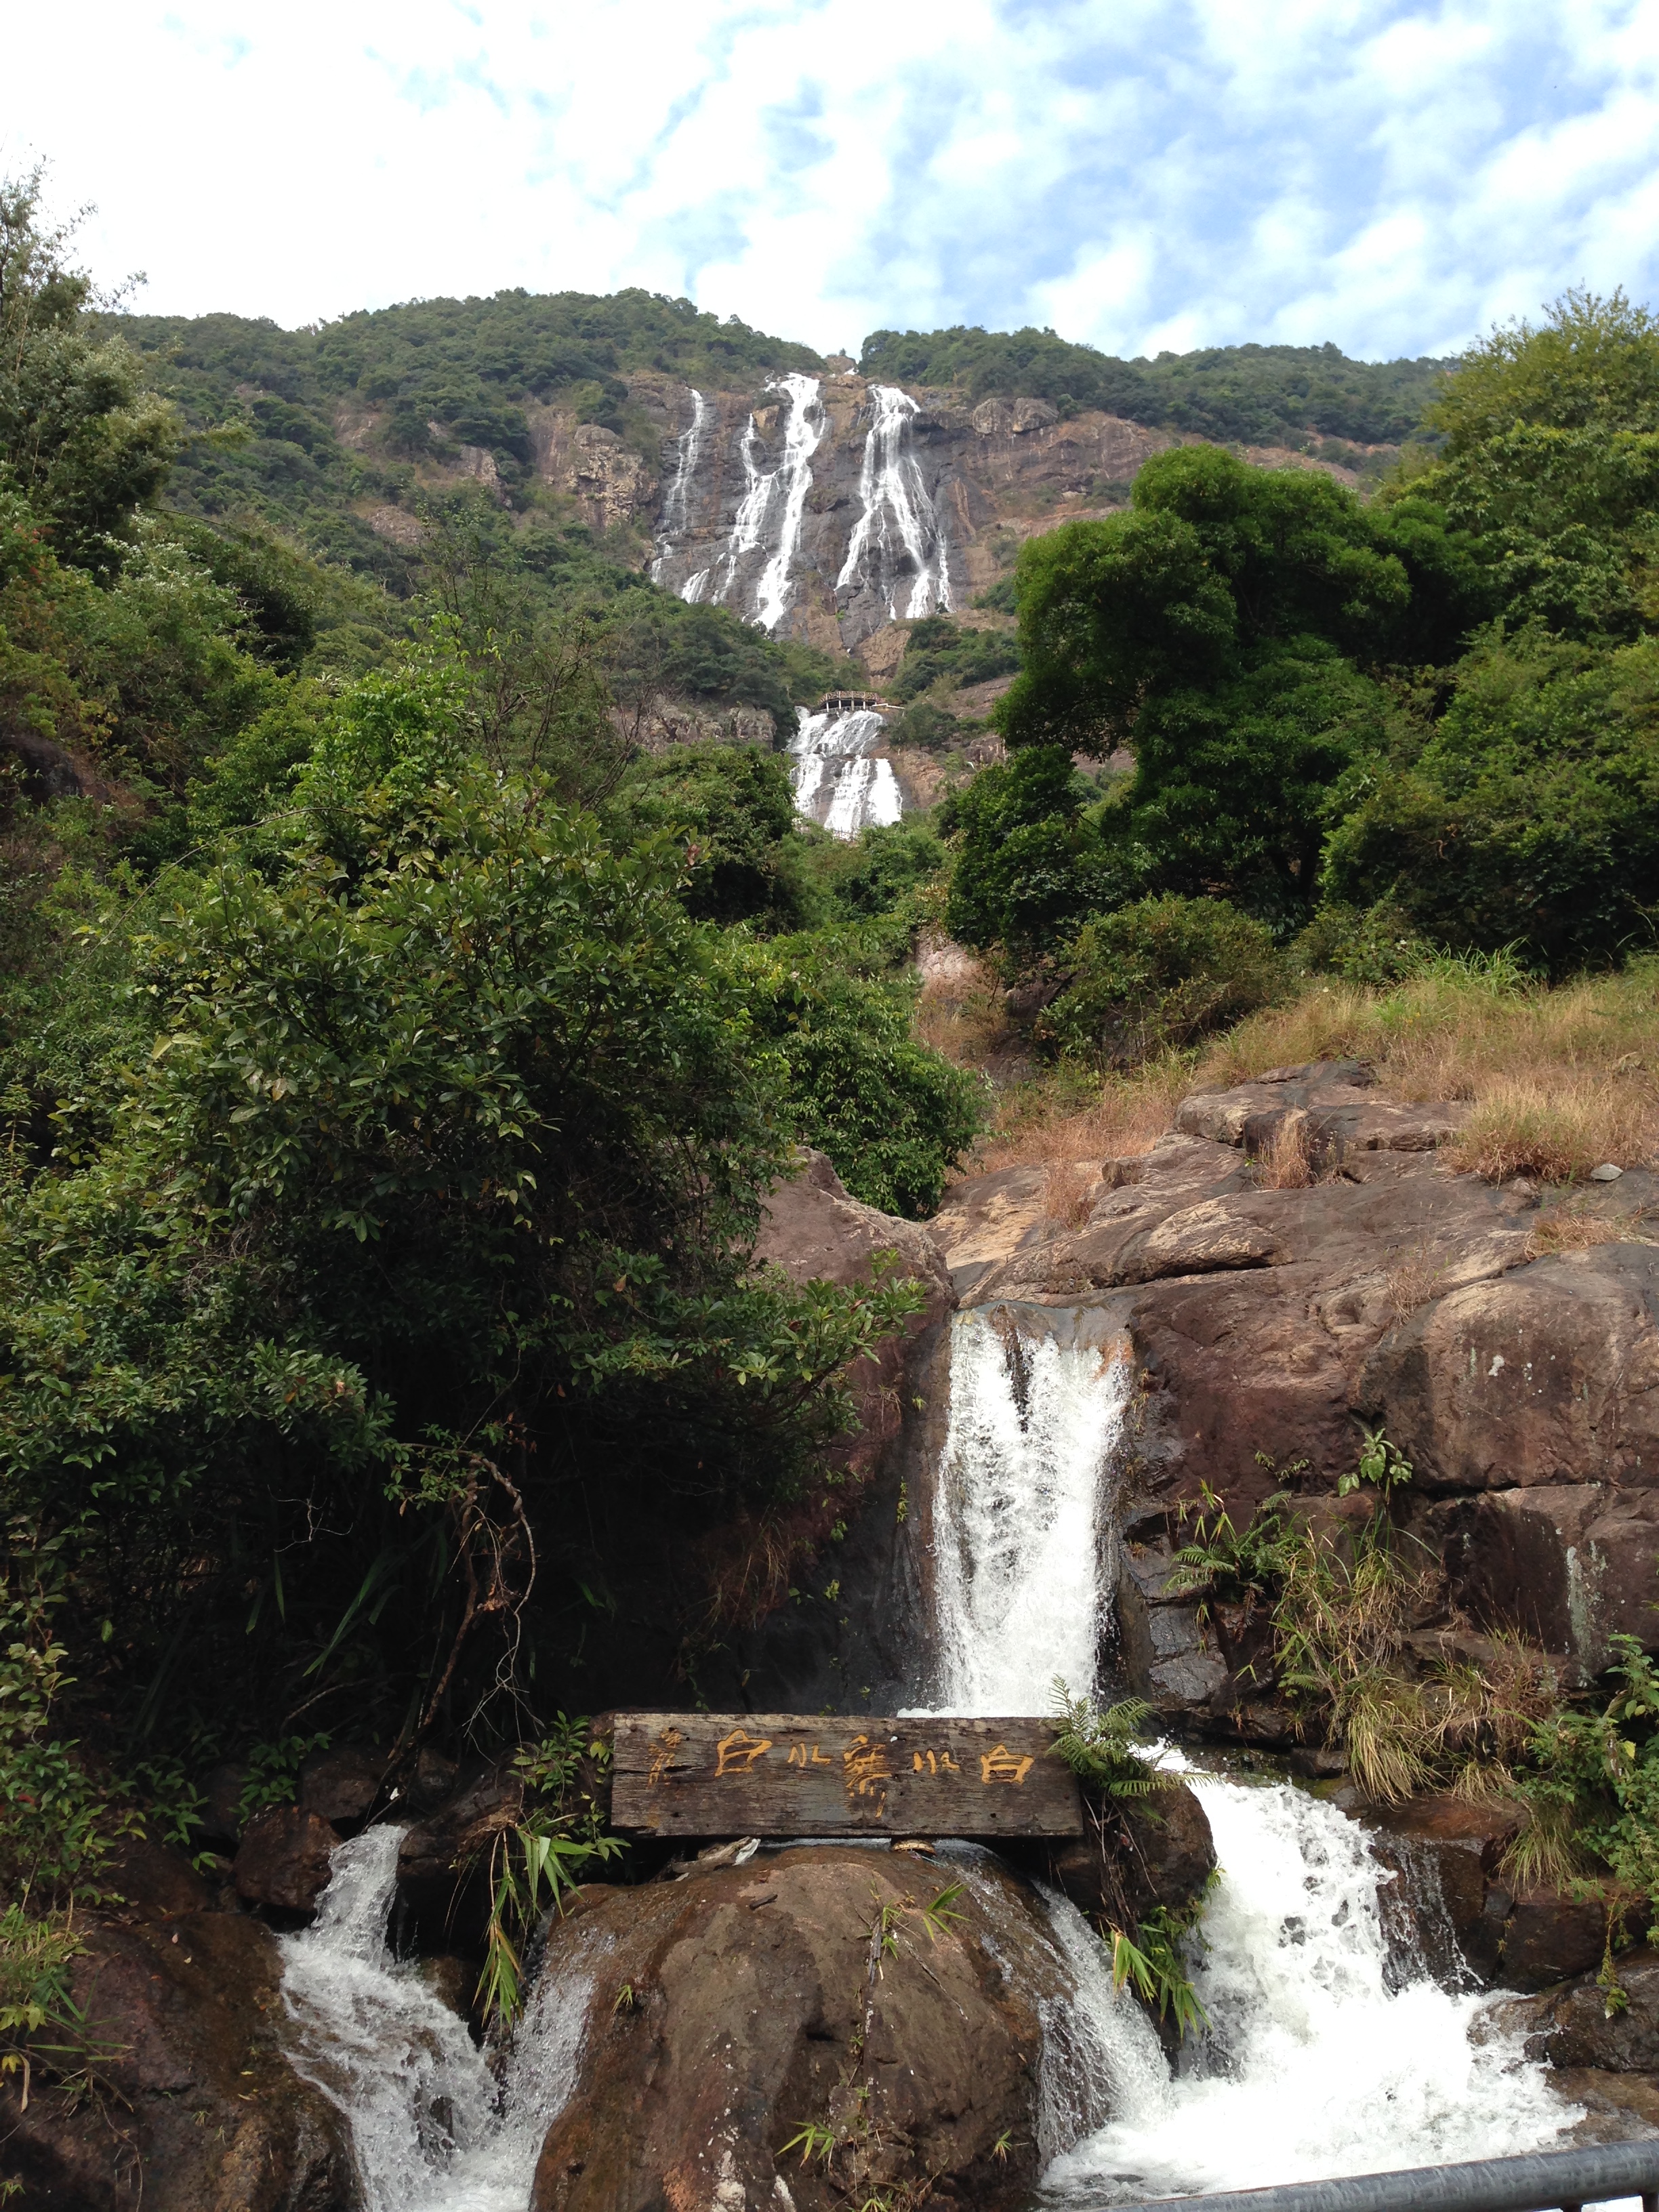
(1159,973)
(894,1115)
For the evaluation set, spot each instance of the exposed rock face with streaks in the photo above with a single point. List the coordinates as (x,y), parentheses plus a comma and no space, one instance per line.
(915,500)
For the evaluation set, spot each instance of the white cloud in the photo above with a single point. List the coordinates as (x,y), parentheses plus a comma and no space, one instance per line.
(1389,174)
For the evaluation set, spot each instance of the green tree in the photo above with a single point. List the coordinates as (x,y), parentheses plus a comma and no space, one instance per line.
(80,436)
(1226,629)
(412,1241)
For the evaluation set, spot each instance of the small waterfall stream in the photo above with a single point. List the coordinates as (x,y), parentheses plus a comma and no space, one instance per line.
(1018,1513)
(898,548)
(433,2130)
(676,505)
(838,784)
(1314,2064)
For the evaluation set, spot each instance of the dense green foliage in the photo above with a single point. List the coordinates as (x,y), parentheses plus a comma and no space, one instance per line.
(394,1057)
(940,651)
(1248,394)
(1439,705)
(1159,973)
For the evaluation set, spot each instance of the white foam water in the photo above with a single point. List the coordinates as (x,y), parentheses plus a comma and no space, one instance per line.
(780,492)
(836,782)
(1314,2066)
(897,548)
(1019,1516)
(676,505)
(433,2130)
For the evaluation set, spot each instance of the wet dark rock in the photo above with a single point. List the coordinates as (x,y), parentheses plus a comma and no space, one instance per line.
(340,1785)
(1548,1936)
(1570,2023)
(1446,1854)
(220,1813)
(283,1861)
(1140,1853)
(443,1862)
(202,2112)
(724,2014)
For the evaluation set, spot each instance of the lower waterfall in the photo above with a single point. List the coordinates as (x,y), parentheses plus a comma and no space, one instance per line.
(433,2130)
(838,784)
(1314,2065)
(1019,1511)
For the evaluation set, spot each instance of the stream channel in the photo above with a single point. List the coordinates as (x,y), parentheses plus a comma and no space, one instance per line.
(1329,2052)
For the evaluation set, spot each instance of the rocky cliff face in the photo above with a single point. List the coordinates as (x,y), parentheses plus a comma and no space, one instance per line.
(907,502)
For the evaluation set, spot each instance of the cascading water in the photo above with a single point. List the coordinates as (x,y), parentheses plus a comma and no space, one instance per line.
(897,548)
(1314,2065)
(1327,2053)
(838,784)
(1018,1512)
(432,2127)
(676,508)
(781,490)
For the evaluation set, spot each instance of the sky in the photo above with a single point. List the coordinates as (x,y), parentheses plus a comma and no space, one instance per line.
(1135,173)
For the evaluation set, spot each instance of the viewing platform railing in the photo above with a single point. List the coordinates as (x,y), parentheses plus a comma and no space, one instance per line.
(1540,2181)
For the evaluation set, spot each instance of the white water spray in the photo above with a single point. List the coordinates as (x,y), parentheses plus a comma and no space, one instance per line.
(677,507)
(897,547)
(1313,2066)
(1019,1516)
(781,490)
(836,782)
(432,2130)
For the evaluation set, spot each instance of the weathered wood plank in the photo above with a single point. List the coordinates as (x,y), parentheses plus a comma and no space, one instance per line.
(787,1774)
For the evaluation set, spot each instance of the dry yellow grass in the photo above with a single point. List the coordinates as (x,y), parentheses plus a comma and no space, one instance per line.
(1287,1162)
(1560,1080)
(1575,1228)
(1042,1125)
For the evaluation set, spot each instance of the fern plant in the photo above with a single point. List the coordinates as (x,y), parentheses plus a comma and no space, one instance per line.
(1106,1744)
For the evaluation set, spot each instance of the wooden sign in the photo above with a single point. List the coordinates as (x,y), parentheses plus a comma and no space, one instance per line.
(786,1774)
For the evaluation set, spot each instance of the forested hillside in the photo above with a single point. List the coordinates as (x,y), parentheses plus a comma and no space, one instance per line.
(1252,395)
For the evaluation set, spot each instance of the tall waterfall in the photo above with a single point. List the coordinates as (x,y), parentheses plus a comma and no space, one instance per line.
(838,784)
(897,550)
(676,505)
(1313,2066)
(432,2130)
(770,510)
(1019,1516)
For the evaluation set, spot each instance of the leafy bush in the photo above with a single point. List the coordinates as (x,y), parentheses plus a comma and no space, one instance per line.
(1029,862)
(1531,815)
(1156,974)
(893,1115)
(939,650)
(733,804)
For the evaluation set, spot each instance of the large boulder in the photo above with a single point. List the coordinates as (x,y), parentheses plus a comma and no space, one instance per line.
(727,2014)
(199,2109)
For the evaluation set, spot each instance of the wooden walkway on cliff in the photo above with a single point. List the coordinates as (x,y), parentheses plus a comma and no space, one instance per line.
(854,702)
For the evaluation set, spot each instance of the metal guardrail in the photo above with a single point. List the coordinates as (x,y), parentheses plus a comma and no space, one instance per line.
(1541,2181)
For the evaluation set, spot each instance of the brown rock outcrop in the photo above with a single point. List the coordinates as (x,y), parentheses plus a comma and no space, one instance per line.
(201,2110)
(1268,1323)
(815,1231)
(1571,2025)
(727,2011)
(283,1859)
